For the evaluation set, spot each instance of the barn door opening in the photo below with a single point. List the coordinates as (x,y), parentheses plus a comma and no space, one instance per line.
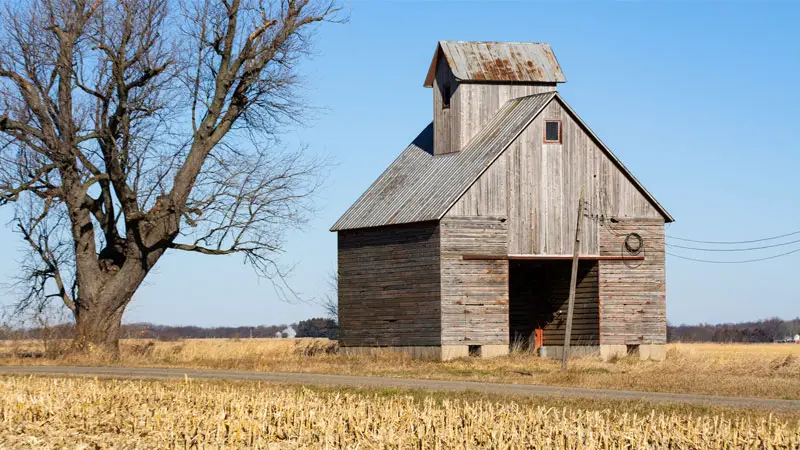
(538,299)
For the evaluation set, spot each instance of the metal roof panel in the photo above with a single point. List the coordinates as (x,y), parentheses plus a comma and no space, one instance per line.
(419,186)
(512,62)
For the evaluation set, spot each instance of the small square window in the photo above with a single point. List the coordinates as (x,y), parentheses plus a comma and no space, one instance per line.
(552,131)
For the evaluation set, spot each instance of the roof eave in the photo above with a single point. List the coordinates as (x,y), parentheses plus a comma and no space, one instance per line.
(432,69)
(667,216)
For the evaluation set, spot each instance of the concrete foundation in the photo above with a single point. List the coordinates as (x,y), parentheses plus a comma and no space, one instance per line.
(434,353)
(493,350)
(438,353)
(654,352)
(609,352)
(556,351)
(449,352)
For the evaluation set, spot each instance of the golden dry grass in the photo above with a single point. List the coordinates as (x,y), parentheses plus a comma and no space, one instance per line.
(42,412)
(748,370)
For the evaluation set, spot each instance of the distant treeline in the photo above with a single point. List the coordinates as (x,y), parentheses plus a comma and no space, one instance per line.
(316,327)
(167,332)
(769,330)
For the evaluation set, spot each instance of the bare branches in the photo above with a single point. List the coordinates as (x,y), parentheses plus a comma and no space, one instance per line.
(244,202)
(26,178)
(329,301)
(128,129)
(50,254)
(245,69)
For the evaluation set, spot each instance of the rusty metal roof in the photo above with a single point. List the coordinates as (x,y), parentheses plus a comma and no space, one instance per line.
(517,62)
(419,186)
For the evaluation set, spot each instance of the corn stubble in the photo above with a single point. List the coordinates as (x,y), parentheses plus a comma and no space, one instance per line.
(743,370)
(41,412)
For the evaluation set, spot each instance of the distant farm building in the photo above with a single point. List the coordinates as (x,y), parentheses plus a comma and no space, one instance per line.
(463,245)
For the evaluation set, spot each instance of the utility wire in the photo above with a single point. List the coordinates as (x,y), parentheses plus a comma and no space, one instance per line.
(604,199)
(734,262)
(735,242)
(732,249)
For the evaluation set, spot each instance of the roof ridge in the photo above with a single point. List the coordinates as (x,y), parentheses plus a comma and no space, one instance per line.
(553,93)
(496,42)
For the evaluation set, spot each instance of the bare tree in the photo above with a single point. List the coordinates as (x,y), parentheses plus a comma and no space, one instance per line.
(330,299)
(133,127)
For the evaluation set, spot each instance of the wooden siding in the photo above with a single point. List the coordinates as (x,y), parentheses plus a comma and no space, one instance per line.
(476,103)
(389,286)
(632,293)
(485,197)
(474,293)
(541,186)
(539,295)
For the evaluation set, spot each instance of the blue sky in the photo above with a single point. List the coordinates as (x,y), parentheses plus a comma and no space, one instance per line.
(697,99)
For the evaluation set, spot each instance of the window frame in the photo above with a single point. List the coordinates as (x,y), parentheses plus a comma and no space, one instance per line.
(560,132)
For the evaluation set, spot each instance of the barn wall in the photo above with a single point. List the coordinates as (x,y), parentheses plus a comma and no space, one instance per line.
(541,186)
(474,293)
(389,291)
(632,293)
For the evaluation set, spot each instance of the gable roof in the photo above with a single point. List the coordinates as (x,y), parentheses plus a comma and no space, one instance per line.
(420,187)
(520,62)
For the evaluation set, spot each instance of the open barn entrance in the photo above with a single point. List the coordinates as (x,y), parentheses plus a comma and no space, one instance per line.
(538,299)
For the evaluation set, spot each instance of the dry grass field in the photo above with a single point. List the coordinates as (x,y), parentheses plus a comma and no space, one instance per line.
(748,370)
(45,413)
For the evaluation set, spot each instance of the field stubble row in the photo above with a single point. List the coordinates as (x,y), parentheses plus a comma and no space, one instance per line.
(43,412)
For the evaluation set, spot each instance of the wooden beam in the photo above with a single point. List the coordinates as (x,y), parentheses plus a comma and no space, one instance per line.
(474,257)
(572,284)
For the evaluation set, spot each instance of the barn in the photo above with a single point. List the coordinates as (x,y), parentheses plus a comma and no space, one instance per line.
(463,246)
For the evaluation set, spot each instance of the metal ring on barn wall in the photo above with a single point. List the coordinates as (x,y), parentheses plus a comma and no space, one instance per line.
(634,243)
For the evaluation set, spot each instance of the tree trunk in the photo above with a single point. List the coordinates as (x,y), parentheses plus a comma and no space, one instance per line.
(98,330)
(102,300)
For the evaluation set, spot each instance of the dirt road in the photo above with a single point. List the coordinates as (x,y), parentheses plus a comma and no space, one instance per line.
(404,383)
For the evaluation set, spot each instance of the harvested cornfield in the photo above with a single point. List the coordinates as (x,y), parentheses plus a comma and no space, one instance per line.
(41,412)
(742,370)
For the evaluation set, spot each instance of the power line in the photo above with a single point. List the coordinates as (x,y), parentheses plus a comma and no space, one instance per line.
(735,242)
(733,249)
(733,262)
(599,218)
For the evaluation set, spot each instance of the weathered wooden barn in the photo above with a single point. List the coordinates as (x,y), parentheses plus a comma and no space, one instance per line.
(463,246)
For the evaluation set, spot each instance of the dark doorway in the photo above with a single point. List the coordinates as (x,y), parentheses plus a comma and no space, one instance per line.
(538,299)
